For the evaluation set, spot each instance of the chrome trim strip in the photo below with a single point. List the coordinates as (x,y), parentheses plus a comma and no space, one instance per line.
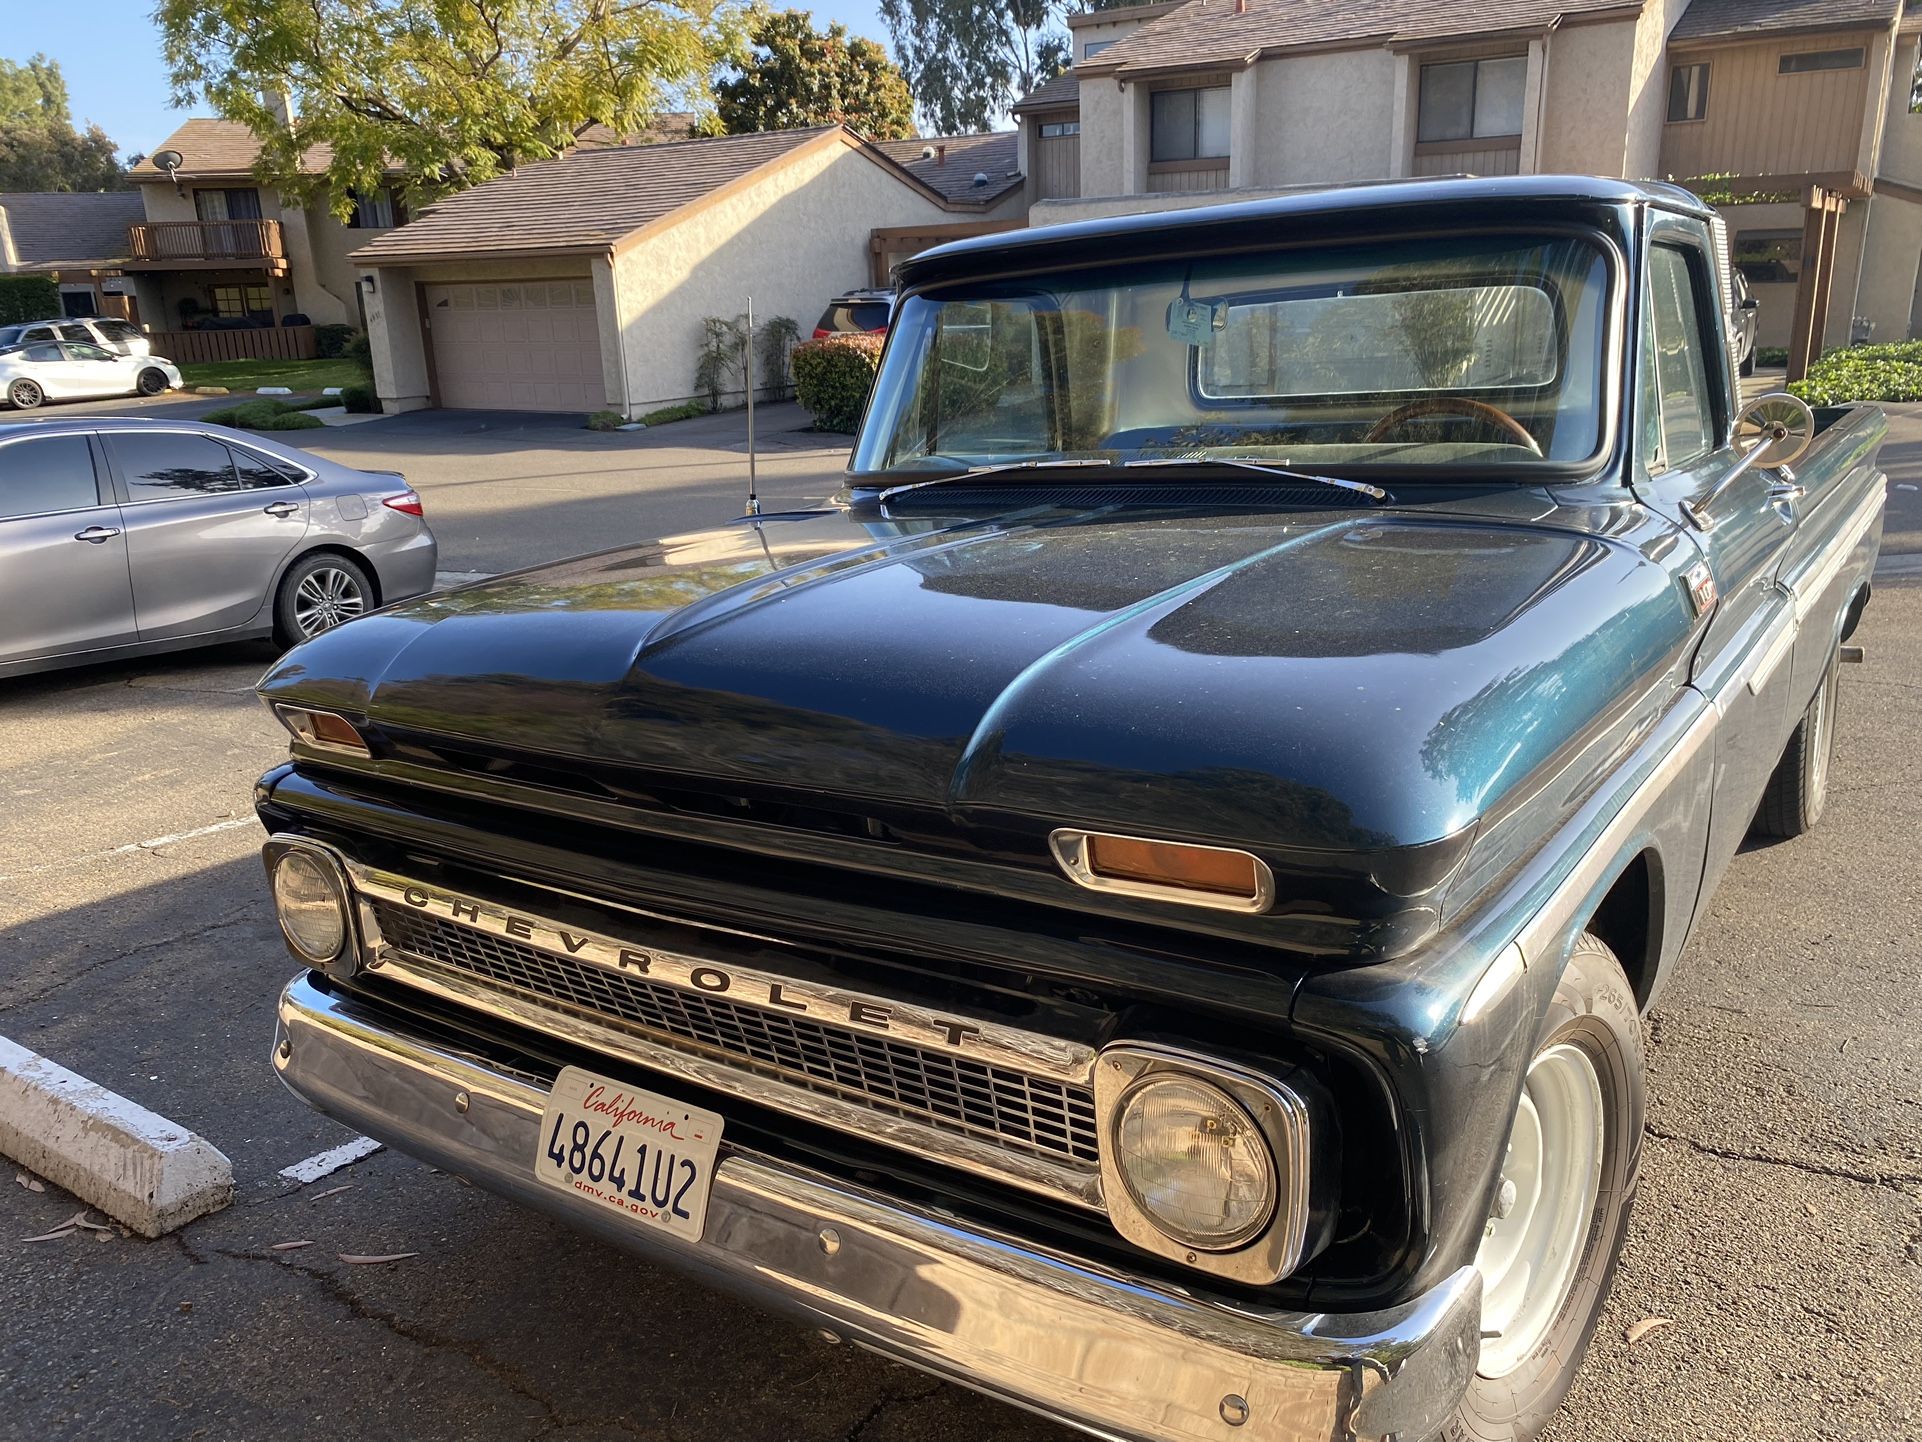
(1078,1342)
(1079,1186)
(1813,583)
(1772,651)
(1070,848)
(1275,1250)
(983,1041)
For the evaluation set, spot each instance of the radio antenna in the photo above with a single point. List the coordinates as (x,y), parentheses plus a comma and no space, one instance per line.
(747,370)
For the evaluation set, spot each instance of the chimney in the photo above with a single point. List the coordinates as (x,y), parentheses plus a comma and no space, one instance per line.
(278,105)
(940,155)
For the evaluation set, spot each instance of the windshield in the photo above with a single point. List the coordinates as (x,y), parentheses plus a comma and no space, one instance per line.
(1437,352)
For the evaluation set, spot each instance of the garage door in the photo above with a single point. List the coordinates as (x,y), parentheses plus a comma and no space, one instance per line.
(530,345)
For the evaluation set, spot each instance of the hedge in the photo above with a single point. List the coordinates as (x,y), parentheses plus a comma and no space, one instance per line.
(832,378)
(360,399)
(1864,373)
(28,297)
(265,414)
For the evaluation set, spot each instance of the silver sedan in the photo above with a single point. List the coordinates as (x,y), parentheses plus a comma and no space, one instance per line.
(127,537)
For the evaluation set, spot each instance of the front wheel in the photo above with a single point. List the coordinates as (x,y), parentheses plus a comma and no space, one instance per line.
(25,395)
(318,594)
(152,381)
(1560,1215)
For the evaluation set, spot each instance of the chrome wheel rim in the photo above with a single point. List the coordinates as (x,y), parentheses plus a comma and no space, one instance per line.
(1551,1177)
(26,395)
(325,597)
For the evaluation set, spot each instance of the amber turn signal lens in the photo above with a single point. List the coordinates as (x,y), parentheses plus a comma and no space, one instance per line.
(1167,863)
(322,729)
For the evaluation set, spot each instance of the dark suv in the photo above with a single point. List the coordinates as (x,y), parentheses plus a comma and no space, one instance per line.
(856,311)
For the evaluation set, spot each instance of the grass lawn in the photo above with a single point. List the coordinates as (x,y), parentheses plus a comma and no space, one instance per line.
(300,375)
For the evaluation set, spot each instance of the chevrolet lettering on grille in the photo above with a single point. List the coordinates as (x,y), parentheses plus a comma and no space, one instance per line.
(1036,1054)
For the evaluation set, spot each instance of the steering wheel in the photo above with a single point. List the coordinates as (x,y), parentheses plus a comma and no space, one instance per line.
(1495,416)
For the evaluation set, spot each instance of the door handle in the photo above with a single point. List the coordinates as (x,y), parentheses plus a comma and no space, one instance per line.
(282,508)
(96,534)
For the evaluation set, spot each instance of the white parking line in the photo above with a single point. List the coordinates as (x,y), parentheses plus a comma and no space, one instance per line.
(132,846)
(324,1163)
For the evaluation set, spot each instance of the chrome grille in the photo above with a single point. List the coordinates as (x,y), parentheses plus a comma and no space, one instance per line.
(1037,1115)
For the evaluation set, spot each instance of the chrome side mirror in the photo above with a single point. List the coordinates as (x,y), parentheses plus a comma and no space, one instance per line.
(1776,429)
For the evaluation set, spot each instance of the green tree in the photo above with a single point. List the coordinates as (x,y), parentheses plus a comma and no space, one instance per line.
(450,93)
(799,76)
(39,147)
(967,61)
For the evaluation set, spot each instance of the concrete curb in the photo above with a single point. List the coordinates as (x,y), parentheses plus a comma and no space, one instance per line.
(137,1167)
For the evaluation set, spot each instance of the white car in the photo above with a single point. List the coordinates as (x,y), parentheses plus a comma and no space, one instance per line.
(72,370)
(119,336)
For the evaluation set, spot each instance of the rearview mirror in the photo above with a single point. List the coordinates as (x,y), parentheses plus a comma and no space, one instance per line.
(964,335)
(1775,429)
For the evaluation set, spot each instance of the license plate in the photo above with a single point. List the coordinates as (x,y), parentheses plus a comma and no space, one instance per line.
(635,1152)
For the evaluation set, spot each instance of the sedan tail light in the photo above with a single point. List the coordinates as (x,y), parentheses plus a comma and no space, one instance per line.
(407,503)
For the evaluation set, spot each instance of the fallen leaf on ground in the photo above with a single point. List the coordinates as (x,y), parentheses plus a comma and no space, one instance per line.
(54,1235)
(1648,1324)
(186,1306)
(80,1220)
(103,1235)
(358,1261)
(32,1184)
(331,1191)
(288,1246)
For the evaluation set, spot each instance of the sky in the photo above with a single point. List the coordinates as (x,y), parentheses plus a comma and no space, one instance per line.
(109,52)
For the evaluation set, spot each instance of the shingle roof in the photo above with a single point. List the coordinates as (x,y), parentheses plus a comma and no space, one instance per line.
(997,156)
(218,147)
(1063,90)
(65,231)
(584,199)
(668,125)
(1718,19)
(1211,32)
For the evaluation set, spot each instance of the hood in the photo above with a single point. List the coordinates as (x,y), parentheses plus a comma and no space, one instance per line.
(1306,685)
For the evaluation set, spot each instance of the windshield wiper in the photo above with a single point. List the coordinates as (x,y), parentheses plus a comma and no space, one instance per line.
(1063,463)
(1372,492)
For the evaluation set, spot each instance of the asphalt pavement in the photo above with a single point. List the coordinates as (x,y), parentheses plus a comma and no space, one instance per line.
(1778,1232)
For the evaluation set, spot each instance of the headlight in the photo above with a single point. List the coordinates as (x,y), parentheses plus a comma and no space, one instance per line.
(1194,1162)
(312,907)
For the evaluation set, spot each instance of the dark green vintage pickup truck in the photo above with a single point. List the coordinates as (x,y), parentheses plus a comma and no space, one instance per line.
(1145,905)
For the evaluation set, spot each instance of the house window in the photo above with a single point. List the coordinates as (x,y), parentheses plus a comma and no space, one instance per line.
(374,211)
(1768,257)
(1472,99)
(1094,48)
(1057,129)
(1188,124)
(239,302)
(236,204)
(1688,92)
(1803,61)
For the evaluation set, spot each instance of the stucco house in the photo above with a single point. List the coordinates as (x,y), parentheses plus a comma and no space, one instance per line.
(1803,103)
(580,283)
(77,238)
(214,242)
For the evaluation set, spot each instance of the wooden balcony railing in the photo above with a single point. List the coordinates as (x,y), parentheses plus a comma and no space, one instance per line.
(161,240)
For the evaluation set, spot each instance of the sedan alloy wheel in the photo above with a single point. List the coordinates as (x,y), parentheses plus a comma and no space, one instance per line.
(326,597)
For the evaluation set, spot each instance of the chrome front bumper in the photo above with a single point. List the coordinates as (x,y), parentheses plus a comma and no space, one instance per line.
(1085,1345)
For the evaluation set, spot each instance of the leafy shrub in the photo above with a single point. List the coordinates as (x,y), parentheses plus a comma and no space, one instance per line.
(360,400)
(721,369)
(605,420)
(1771,355)
(1864,373)
(265,414)
(28,297)
(331,341)
(832,378)
(685,411)
(360,351)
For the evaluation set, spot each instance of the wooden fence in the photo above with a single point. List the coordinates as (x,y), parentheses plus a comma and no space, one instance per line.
(196,347)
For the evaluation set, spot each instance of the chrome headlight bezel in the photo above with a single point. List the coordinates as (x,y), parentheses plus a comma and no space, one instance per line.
(1282,1117)
(345,959)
